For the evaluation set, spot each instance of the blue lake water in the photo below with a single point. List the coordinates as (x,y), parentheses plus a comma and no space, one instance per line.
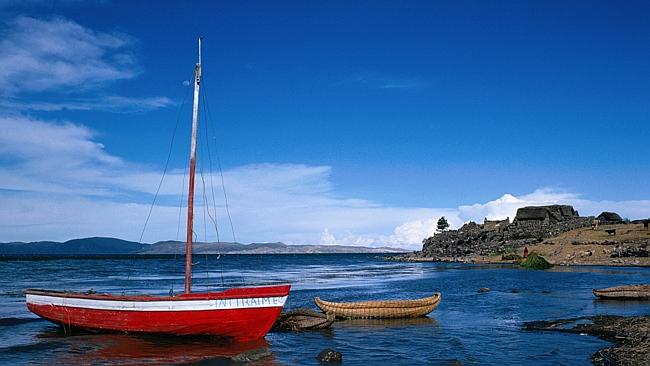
(467,328)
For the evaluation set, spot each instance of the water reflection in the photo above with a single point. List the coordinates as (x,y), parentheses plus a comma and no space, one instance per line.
(618,304)
(126,349)
(386,323)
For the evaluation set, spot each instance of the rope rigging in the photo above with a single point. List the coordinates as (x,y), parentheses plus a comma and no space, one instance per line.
(208,114)
(169,154)
(214,203)
(162,178)
(211,214)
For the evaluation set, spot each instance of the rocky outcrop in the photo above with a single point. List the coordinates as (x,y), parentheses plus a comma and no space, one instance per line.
(303,319)
(531,226)
(624,251)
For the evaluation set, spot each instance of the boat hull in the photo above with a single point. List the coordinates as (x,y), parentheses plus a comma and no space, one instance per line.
(244,314)
(630,292)
(390,309)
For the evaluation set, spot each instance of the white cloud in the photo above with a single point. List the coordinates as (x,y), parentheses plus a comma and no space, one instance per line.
(400,84)
(415,231)
(507,205)
(31,4)
(327,238)
(407,235)
(63,61)
(116,104)
(55,53)
(61,165)
(39,142)
(373,80)
(57,182)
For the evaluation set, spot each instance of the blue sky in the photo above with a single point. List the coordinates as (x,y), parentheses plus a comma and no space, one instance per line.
(337,122)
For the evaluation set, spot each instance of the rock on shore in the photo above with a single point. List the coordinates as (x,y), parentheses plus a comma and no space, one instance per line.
(631,335)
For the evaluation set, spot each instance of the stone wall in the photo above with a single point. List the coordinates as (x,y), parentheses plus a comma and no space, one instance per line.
(495,224)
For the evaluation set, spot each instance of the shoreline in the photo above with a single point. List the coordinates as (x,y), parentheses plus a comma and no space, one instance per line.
(629,334)
(631,262)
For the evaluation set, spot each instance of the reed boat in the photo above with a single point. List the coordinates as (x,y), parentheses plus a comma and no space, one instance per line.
(628,292)
(239,314)
(386,309)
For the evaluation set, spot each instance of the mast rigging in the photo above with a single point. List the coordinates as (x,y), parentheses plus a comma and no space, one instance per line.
(190,196)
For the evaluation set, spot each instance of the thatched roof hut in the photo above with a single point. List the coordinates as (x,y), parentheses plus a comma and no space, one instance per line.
(609,217)
(537,213)
(552,213)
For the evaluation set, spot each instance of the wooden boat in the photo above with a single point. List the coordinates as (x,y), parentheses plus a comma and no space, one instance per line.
(629,292)
(303,319)
(240,314)
(380,309)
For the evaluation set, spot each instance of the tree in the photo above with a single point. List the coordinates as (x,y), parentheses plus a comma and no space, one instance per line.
(442,224)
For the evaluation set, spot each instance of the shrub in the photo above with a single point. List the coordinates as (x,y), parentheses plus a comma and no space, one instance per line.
(535,261)
(442,224)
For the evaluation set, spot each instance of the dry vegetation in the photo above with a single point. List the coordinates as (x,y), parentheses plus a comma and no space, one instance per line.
(595,247)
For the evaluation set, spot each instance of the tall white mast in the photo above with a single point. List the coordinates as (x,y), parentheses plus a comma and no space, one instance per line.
(190,196)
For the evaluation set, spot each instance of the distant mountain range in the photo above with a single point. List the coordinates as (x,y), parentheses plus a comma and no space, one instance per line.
(112,246)
(86,246)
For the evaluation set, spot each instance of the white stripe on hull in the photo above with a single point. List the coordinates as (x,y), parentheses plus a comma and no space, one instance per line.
(175,305)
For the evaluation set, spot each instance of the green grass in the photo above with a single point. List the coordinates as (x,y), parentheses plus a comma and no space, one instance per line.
(535,261)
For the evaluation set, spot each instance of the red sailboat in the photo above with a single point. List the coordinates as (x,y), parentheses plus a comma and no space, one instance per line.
(240,314)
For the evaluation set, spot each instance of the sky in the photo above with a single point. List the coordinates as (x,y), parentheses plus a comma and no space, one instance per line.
(338,122)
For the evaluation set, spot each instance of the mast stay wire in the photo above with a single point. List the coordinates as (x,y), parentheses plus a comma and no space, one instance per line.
(208,119)
(206,208)
(180,207)
(223,185)
(169,154)
(205,202)
(180,213)
(207,144)
(162,178)
(212,218)
(214,202)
